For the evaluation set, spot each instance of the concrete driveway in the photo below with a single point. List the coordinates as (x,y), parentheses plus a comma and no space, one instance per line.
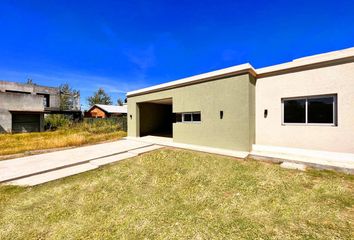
(35,169)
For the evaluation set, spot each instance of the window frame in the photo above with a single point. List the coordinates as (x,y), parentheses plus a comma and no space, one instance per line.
(191,113)
(46,101)
(306,98)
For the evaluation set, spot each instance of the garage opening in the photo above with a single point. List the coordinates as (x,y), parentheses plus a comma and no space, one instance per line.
(156,118)
(25,122)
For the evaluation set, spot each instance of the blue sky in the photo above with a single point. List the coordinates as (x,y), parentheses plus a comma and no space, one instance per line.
(126,45)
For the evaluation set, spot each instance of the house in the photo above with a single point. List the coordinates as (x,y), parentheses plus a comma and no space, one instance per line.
(22,106)
(106,111)
(306,105)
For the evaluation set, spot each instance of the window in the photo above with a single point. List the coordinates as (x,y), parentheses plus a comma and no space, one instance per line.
(187,117)
(45,99)
(196,117)
(321,110)
(192,117)
(295,111)
(310,110)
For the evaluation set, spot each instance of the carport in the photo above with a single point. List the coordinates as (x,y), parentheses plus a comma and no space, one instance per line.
(156,118)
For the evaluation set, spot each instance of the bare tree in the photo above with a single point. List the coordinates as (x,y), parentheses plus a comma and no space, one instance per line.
(120,102)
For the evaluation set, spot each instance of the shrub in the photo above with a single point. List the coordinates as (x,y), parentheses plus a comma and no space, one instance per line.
(54,121)
(100,125)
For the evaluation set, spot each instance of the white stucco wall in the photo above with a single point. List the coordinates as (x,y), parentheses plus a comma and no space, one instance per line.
(338,79)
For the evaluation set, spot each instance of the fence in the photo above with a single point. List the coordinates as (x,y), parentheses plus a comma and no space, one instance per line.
(121,120)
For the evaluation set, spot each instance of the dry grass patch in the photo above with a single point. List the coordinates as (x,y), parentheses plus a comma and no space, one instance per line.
(177,194)
(75,135)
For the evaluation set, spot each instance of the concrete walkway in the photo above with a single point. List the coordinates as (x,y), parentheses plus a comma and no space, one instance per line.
(37,169)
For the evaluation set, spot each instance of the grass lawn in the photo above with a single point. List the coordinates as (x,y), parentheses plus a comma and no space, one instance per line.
(76,135)
(178,194)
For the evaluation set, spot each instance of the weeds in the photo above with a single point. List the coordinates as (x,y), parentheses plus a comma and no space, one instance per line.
(67,135)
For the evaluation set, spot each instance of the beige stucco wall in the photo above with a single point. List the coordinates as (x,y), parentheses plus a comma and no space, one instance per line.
(327,80)
(233,95)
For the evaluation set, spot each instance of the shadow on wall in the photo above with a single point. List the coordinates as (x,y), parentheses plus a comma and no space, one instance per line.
(2,130)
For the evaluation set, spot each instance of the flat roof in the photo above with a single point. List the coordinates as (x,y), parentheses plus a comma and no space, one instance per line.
(4,82)
(297,64)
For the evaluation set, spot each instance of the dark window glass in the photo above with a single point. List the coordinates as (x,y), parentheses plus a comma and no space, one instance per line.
(46,101)
(196,117)
(294,111)
(320,110)
(187,117)
(11,91)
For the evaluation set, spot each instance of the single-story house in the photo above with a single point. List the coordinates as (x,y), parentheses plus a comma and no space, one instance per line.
(303,105)
(106,111)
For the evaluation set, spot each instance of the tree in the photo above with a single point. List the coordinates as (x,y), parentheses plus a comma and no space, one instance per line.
(30,81)
(99,97)
(120,102)
(69,97)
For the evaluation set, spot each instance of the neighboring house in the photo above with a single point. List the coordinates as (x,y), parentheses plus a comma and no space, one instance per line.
(305,104)
(22,106)
(106,111)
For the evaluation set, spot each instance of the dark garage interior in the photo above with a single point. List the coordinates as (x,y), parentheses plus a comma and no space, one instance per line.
(156,118)
(25,122)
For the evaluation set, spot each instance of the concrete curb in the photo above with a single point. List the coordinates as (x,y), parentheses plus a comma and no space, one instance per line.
(312,165)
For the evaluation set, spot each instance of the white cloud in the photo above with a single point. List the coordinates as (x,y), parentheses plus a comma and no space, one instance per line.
(142,58)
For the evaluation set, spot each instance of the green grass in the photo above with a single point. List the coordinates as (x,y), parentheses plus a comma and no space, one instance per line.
(177,194)
(74,135)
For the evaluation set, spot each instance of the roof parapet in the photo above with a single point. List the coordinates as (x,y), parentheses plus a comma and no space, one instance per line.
(319,60)
(230,71)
